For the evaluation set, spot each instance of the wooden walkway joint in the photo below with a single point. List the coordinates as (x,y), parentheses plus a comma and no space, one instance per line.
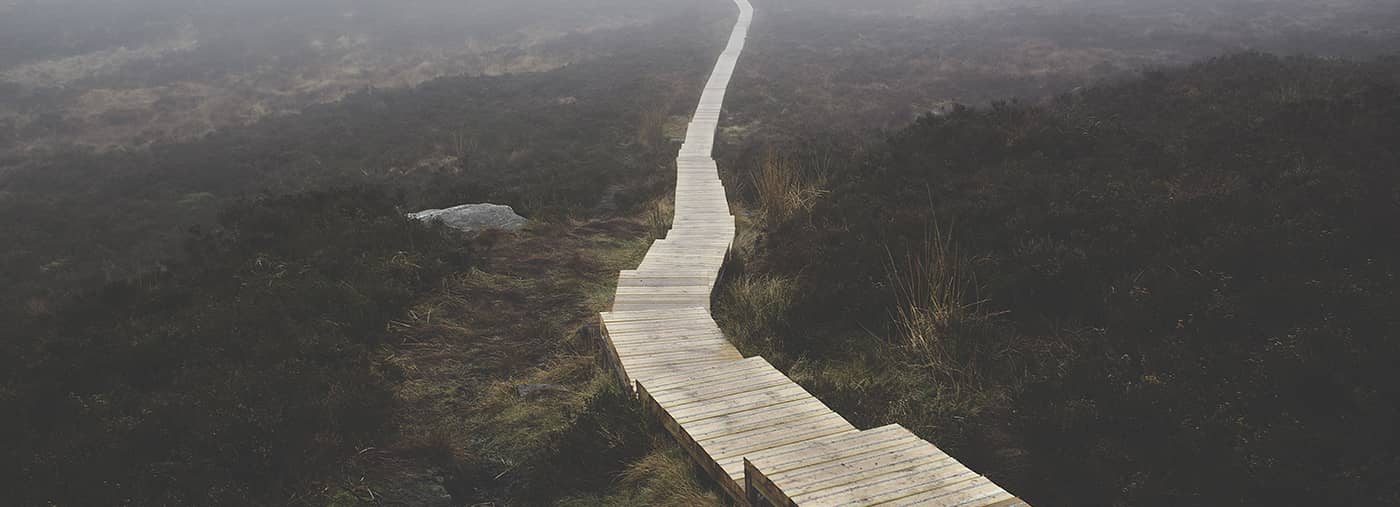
(762,437)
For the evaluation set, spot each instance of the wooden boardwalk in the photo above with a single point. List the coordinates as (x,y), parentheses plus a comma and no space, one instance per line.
(762,437)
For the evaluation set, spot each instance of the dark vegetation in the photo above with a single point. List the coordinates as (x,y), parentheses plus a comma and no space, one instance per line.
(208,383)
(996,327)
(172,340)
(881,63)
(1181,289)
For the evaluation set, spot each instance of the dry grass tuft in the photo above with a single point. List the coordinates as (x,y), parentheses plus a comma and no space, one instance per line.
(784,188)
(667,477)
(942,327)
(756,308)
(651,126)
(936,290)
(659,216)
(664,476)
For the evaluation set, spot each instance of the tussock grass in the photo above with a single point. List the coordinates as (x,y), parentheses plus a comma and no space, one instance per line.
(936,289)
(784,188)
(668,475)
(748,230)
(755,309)
(651,125)
(942,328)
(664,477)
(659,216)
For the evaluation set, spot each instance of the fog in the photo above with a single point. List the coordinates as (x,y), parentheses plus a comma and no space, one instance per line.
(128,72)
(109,73)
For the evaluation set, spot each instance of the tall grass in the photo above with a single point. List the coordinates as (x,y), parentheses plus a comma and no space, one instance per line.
(784,188)
(756,308)
(651,125)
(663,477)
(941,324)
(659,217)
(666,476)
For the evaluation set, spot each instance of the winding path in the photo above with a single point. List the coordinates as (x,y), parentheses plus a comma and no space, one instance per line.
(761,436)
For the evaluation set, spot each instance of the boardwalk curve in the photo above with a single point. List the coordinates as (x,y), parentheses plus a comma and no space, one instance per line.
(762,437)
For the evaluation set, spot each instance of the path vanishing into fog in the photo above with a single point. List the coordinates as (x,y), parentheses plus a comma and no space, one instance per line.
(761,436)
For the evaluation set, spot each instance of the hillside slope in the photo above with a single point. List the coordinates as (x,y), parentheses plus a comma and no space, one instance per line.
(1181,289)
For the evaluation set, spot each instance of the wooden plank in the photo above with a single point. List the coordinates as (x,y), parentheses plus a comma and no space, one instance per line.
(682,340)
(890,488)
(679,300)
(984,492)
(864,469)
(667,389)
(732,462)
(642,305)
(744,367)
(674,290)
(642,370)
(643,366)
(703,322)
(736,404)
(705,348)
(624,346)
(699,393)
(623,336)
(678,255)
(621,318)
(817,452)
(758,418)
(665,281)
(626,316)
(886,464)
(735,445)
(646,338)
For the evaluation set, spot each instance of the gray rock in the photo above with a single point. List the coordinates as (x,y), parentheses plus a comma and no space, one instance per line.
(474,217)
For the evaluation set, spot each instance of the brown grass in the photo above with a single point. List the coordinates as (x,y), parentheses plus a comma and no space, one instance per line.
(664,477)
(651,125)
(936,290)
(784,188)
(755,309)
(943,329)
(659,217)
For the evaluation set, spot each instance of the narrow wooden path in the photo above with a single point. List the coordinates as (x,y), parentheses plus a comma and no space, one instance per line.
(761,436)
